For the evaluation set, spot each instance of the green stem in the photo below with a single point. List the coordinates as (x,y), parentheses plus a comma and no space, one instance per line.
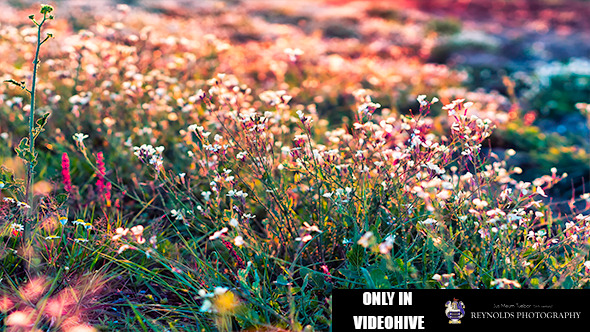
(31,169)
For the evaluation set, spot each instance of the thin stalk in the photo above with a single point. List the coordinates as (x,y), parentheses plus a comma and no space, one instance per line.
(31,169)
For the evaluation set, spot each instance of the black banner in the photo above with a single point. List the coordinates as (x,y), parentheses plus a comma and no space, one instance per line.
(458,310)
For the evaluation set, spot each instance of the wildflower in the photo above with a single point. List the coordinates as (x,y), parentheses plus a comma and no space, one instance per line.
(305,238)
(79,138)
(88,226)
(23,205)
(503,283)
(368,108)
(479,203)
(540,191)
(138,233)
(239,241)
(206,306)
(364,240)
(65,172)
(149,154)
(218,234)
(51,237)
(587,267)
(2,184)
(120,233)
(233,222)
(100,174)
(444,280)
(422,101)
(293,53)
(63,220)
(386,246)
(16,229)
(300,114)
(78,222)
(310,229)
(429,221)
(80,240)
(177,214)
(483,233)
(123,248)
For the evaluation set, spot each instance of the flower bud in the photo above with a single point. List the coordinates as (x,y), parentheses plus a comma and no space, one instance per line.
(46,9)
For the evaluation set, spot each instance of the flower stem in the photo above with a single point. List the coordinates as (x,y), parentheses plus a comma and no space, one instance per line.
(31,168)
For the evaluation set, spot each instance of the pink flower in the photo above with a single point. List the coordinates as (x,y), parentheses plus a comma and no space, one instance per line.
(65,172)
(100,184)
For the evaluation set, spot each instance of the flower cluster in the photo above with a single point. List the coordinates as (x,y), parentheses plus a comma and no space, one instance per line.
(150,155)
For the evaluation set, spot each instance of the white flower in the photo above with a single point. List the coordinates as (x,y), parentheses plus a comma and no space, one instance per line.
(123,248)
(364,240)
(79,137)
(429,221)
(177,214)
(17,227)
(310,228)
(241,155)
(239,241)
(233,222)
(293,53)
(220,290)
(479,203)
(541,192)
(387,245)
(218,234)
(305,238)
(22,204)
(422,101)
(2,184)
(120,232)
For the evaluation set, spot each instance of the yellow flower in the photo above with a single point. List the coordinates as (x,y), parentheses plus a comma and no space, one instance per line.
(226,302)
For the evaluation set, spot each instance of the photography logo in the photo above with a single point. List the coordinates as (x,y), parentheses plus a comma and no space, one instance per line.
(455,311)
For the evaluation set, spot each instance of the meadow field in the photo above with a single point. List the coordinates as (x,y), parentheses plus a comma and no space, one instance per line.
(224,165)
